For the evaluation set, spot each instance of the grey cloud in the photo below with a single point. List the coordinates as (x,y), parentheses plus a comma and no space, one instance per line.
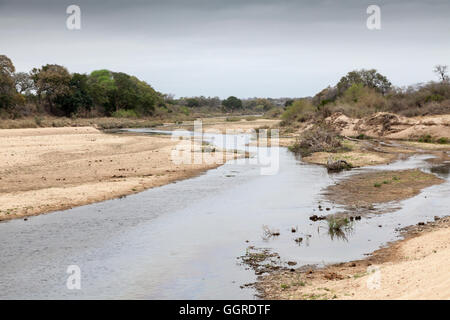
(224,47)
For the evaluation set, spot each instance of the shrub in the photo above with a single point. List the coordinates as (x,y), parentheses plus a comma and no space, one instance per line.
(232,119)
(338,227)
(122,113)
(299,111)
(273,113)
(426,138)
(320,138)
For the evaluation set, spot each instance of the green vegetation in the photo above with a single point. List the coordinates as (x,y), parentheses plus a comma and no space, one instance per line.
(443,141)
(298,111)
(429,139)
(51,90)
(426,138)
(338,227)
(364,92)
(232,104)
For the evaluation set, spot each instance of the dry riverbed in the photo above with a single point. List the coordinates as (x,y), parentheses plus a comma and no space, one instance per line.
(412,268)
(48,169)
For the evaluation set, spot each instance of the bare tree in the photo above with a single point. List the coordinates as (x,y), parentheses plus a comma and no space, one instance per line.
(442,72)
(24,82)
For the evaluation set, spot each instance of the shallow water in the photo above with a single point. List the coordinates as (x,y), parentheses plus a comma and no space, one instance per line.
(182,240)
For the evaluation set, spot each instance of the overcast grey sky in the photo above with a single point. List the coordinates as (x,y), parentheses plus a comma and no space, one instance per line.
(263,48)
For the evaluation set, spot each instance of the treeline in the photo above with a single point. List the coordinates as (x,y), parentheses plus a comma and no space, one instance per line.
(364,92)
(53,90)
(231,104)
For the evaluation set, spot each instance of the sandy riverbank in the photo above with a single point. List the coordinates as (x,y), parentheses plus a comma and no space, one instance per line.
(413,268)
(48,169)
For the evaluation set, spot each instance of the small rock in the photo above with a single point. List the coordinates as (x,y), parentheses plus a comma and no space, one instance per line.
(316,218)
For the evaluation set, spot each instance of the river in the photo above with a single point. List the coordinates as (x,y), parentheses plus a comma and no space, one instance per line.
(183,240)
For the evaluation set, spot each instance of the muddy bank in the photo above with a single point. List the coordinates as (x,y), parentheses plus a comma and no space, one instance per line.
(48,169)
(411,268)
(379,187)
(358,154)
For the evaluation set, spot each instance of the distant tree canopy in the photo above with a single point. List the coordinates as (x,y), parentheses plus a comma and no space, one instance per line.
(8,93)
(368,78)
(77,99)
(51,82)
(193,103)
(232,103)
(53,89)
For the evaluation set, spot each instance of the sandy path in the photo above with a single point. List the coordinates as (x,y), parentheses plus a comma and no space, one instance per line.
(49,169)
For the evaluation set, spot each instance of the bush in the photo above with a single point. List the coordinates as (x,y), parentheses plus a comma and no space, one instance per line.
(122,113)
(426,138)
(443,141)
(299,111)
(273,113)
(320,138)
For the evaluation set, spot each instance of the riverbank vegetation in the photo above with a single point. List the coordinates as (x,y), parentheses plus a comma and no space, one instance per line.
(380,187)
(53,92)
(362,93)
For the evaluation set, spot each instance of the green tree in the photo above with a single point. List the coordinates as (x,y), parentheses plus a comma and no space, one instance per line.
(193,103)
(102,88)
(8,92)
(232,103)
(368,78)
(51,81)
(78,99)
